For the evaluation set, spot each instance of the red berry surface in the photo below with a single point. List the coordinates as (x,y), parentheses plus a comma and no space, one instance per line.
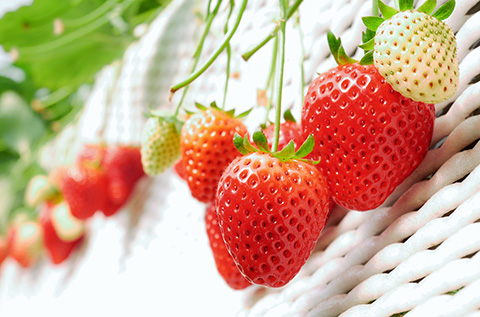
(25,241)
(57,249)
(84,189)
(271,214)
(3,249)
(223,260)
(289,131)
(368,137)
(207,148)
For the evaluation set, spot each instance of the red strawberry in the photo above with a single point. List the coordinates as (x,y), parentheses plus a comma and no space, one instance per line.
(25,240)
(207,148)
(271,213)
(92,153)
(225,264)
(288,131)
(179,169)
(123,169)
(84,190)
(3,249)
(57,249)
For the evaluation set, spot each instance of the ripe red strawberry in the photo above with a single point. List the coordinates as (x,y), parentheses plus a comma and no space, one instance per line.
(84,190)
(92,153)
(368,137)
(25,240)
(271,213)
(223,260)
(123,169)
(207,148)
(179,169)
(3,249)
(57,249)
(288,131)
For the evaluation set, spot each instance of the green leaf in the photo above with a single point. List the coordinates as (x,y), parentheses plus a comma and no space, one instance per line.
(243,114)
(238,142)
(367,59)
(261,141)
(445,10)
(428,7)
(287,152)
(373,23)
(288,116)
(405,5)
(368,45)
(306,148)
(387,11)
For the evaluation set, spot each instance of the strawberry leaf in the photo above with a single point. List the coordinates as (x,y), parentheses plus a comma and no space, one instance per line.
(261,141)
(238,142)
(372,23)
(368,46)
(200,107)
(367,59)
(428,7)
(387,11)
(405,5)
(367,35)
(445,10)
(305,148)
(288,116)
(287,152)
(244,114)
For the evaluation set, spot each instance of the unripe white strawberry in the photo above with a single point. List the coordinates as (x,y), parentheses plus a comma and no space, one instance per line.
(160,145)
(417,54)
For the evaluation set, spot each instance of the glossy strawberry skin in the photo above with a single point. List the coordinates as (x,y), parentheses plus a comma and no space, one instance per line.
(84,189)
(289,131)
(271,214)
(207,148)
(57,249)
(123,169)
(368,137)
(223,260)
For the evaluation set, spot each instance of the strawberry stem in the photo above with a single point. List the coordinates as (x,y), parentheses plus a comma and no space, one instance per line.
(219,50)
(280,68)
(229,55)
(291,10)
(271,75)
(208,19)
(375,8)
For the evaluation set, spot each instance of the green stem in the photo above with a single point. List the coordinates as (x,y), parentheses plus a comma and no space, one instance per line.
(198,51)
(279,75)
(375,8)
(246,56)
(209,62)
(271,75)
(302,62)
(229,55)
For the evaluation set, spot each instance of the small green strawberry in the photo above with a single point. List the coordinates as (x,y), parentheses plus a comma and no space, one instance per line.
(160,144)
(414,51)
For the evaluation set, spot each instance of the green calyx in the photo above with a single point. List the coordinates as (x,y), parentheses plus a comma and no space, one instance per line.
(337,50)
(244,146)
(373,22)
(167,117)
(230,113)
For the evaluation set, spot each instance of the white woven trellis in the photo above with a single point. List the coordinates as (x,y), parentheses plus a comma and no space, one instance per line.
(407,256)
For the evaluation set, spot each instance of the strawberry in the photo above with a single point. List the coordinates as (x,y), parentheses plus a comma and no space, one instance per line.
(57,249)
(40,189)
(416,53)
(92,153)
(223,260)
(3,249)
(368,137)
(25,240)
(271,210)
(84,190)
(123,169)
(207,149)
(160,144)
(179,169)
(67,227)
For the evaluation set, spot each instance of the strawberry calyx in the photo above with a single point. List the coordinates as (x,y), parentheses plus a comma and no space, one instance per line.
(373,22)
(337,50)
(245,147)
(167,117)
(213,105)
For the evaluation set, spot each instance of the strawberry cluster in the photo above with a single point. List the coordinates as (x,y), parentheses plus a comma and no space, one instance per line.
(101,180)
